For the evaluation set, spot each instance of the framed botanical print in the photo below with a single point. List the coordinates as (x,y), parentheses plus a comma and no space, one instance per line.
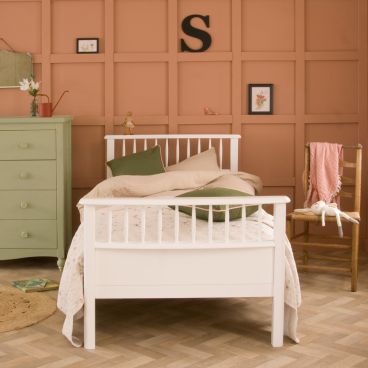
(87,45)
(260,99)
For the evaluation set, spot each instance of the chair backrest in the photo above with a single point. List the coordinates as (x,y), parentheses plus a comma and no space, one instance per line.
(356,182)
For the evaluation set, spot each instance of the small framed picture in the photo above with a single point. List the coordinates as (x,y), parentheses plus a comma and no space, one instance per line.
(87,45)
(260,99)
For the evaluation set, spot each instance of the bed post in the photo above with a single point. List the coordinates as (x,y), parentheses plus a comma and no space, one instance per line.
(89,274)
(234,154)
(277,335)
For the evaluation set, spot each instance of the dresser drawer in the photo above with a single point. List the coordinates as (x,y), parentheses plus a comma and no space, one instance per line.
(27,144)
(40,205)
(17,175)
(28,234)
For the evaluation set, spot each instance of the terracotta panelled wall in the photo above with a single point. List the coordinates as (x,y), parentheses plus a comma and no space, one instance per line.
(313,51)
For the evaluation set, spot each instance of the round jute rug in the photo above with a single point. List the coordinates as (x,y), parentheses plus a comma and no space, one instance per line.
(19,310)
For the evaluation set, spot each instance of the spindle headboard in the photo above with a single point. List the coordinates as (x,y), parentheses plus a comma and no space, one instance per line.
(176,138)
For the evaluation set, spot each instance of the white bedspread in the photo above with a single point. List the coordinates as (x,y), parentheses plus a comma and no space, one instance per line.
(71,299)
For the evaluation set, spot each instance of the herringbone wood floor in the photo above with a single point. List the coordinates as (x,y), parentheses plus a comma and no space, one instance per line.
(199,333)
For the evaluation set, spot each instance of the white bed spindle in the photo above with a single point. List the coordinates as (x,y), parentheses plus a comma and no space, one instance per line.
(109,226)
(134,146)
(126,225)
(156,142)
(210,143)
(234,154)
(227,223)
(220,153)
(159,225)
(177,150)
(243,221)
(167,152)
(145,145)
(194,224)
(188,148)
(176,224)
(259,220)
(143,224)
(199,149)
(110,151)
(110,154)
(124,148)
(210,223)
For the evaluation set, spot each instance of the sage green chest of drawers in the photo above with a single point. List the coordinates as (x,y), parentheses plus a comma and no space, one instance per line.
(35,187)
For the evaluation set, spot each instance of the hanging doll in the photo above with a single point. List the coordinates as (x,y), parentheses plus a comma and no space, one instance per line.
(323,209)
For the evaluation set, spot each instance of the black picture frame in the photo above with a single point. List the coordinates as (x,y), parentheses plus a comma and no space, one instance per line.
(78,50)
(252,88)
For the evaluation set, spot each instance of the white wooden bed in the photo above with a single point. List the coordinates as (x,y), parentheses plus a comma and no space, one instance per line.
(192,269)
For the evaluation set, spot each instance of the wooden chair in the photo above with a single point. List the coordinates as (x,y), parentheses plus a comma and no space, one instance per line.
(306,241)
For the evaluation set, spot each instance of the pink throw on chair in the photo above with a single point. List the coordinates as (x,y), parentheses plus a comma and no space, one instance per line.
(325,173)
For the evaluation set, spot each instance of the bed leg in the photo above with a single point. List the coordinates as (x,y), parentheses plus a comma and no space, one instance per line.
(89,274)
(89,323)
(277,335)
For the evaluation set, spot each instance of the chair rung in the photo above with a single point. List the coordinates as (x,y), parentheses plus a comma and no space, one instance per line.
(348,164)
(324,268)
(347,181)
(301,236)
(329,258)
(321,245)
(345,194)
(345,237)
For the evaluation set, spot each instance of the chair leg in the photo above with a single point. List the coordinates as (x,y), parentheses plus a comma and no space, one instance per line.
(354,257)
(289,229)
(306,239)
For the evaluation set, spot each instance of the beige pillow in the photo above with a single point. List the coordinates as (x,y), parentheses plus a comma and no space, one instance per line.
(231,181)
(204,161)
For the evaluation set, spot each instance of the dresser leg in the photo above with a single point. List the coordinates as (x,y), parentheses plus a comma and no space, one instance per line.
(60,263)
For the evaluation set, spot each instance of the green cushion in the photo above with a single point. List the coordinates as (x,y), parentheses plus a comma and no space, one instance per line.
(218,210)
(142,163)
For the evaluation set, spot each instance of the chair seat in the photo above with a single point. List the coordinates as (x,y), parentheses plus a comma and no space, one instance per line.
(310,216)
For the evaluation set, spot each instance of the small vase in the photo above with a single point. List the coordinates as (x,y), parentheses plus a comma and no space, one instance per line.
(34,106)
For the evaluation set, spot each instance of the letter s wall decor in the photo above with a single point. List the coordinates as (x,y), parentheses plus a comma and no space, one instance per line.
(188,29)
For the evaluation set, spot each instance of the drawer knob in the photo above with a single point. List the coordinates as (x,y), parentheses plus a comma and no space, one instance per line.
(23,175)
(23,204)
(24,234)
(23,145)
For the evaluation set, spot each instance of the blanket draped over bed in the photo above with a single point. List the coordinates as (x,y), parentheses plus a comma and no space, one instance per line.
(71,298)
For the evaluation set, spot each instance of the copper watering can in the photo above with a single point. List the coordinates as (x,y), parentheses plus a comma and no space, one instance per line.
(45,109)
